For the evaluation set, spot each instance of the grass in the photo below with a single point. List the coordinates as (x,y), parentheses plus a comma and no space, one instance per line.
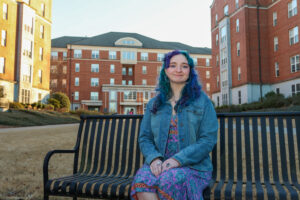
(18,118)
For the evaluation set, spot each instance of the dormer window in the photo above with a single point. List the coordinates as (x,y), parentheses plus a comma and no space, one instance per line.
(128,41)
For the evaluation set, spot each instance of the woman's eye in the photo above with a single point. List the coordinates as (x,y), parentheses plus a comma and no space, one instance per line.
(172,66)
(185,66)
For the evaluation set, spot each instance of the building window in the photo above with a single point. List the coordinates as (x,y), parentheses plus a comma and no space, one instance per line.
(112,68)
(94,96)
(41,53)
(237,25)
(123,82)
(3,38)
(217,39)
(130,82)
(64,55)
(94,67)
(128,55)
(236,3)
(95,54)
(216,18)
(295,63)
(113,96)
(217,60)
(195,61)
(77,53)
(25,96)
(76,81)
(53,69)
(218,81)
(54,55)
(94,82)
(275,44)
(160,57)
(240,96)
(146,95)
(53,83)
(112,55)
(223,56)
(276,69)
(207,74)
(218,101)
(130,71)
(238,49)
(274,18)
(207,87)
(27,48)
(64,83)
(64,69)
(43,9)
(295,89)
(42,31)
(239,73)
(224,77)
(144,56)
(144,69)
(77,67)
(207,62)
(2,65)
(40,76)
(277,90)
(144,82)
(5,11)
(129,95)
(292,8)
(226,10)
(293,35)
(223,34)
(76,95)
(124,71)
(112,81)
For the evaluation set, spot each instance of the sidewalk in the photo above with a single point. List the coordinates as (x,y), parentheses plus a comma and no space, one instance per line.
(5,130)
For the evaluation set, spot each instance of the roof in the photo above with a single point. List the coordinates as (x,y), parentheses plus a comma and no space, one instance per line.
(62,42)
(109,39)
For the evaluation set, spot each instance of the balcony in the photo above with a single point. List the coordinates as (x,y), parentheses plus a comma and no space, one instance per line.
(92,102)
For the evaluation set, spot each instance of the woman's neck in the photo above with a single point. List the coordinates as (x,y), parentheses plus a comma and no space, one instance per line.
(176,90)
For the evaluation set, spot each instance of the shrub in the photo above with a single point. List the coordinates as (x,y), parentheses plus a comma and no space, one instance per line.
(54,102)
(49,107)
(16,105)
(296,99)
(273,100)
(62,99)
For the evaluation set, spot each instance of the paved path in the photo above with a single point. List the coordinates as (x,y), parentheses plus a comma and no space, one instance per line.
(28,128)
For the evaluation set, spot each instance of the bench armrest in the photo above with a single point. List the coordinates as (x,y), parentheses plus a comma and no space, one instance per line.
(47,159)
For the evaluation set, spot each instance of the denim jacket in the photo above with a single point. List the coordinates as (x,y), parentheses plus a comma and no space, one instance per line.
(197,130)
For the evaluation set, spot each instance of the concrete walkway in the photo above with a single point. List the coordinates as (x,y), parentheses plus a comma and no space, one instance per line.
(28,128)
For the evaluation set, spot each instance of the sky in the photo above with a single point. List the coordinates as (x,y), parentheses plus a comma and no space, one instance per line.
(185,21)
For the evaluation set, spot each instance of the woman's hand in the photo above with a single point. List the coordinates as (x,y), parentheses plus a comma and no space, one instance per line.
(156,167)
(169,164)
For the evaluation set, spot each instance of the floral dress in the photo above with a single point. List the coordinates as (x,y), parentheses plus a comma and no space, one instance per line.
(176,183)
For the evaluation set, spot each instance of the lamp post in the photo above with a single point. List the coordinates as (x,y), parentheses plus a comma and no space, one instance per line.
(72,98)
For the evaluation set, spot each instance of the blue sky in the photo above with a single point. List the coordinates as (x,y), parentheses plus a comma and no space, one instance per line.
(185,21)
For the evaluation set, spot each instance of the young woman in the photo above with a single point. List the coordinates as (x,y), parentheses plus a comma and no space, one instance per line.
(178,131)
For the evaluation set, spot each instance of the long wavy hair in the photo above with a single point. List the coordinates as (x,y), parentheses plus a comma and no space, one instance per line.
(190,91)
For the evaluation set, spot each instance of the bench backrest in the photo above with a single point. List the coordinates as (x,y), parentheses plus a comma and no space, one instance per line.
(251,146)
(107,145)
(262,147)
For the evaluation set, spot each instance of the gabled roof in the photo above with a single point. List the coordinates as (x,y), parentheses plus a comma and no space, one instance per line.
(62,42)
(109,39)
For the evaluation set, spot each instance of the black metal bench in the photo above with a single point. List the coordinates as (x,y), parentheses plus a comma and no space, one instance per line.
(257,156)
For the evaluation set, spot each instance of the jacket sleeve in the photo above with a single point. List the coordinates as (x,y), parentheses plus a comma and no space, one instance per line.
(196,152)
(146,139)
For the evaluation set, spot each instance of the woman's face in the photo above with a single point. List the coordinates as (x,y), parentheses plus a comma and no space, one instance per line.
(178,70)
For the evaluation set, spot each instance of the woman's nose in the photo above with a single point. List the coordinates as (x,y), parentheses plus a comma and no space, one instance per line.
(178,69)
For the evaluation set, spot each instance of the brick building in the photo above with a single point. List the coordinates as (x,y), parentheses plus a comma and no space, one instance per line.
(25,50)
(255,49)
(115,71)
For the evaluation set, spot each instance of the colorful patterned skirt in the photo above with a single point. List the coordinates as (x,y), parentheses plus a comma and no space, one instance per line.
(177,183)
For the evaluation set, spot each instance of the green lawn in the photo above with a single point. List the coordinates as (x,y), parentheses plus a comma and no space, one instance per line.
(36,118)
